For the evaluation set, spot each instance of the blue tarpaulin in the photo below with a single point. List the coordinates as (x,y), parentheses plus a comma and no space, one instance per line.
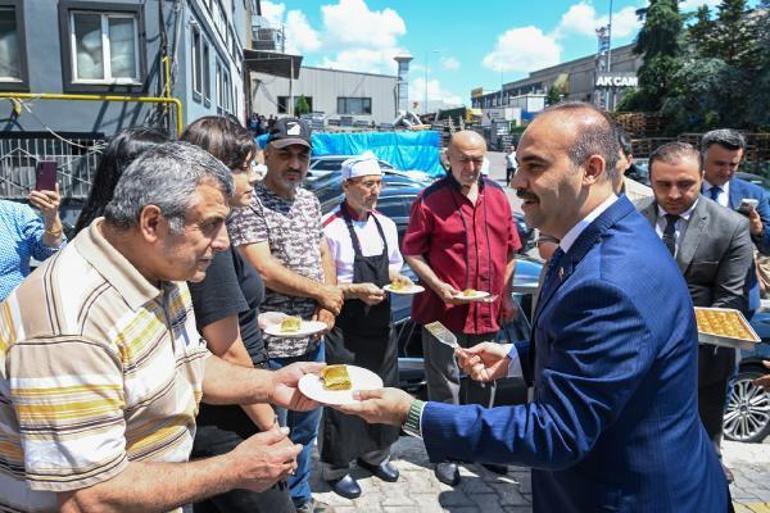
(405,150)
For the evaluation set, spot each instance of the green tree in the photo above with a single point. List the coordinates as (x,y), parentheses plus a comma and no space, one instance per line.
(759,100)
(659,44)
(700,35)
(555,94)
(736,35)
(302,106)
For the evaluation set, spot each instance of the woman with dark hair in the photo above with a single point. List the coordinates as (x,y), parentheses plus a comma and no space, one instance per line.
(226,305)
(122,149)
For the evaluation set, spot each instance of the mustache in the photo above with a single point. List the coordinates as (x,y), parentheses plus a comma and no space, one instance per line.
(524,194)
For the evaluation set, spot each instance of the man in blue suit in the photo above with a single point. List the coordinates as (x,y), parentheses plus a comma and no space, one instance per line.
(613,424)
(722,152)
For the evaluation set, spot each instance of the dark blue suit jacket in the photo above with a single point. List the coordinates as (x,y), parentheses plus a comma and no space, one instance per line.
(613,425)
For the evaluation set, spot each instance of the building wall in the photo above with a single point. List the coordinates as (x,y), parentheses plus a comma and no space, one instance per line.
(45,67)
(325,86)
(581,78)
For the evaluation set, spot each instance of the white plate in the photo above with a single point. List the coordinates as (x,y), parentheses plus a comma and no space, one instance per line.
(479,294)
(414,289)
(361,379)
(306,328)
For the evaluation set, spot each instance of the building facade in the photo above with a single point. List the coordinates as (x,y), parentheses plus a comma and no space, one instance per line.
(342,96)
(576,79)
(61,57)
(191,50)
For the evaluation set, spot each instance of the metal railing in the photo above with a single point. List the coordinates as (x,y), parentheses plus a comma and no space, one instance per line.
(76,160)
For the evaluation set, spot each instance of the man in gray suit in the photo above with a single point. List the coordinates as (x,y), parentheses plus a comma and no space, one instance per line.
(712,246)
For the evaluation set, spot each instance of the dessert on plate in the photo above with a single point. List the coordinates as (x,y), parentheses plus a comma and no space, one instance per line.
(336,377)
(290,324)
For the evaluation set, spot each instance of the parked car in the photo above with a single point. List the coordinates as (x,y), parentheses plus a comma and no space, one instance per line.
(639,171)
(325,165)
(411,369)
(752,178)
(747,418)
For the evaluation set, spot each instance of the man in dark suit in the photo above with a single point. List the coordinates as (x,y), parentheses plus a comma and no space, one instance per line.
(712,247)
(722,151)
(613,424)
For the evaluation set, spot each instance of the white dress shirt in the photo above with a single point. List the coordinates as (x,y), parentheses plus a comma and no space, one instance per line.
(679,227)
(724,196)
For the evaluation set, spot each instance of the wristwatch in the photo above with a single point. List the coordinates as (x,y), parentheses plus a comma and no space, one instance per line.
(413,424)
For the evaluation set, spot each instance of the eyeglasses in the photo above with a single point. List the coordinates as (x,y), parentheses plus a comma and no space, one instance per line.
(372,184)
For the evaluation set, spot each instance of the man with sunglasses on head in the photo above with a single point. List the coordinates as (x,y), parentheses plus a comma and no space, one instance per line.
(461,236)
(279,233)
(364,246)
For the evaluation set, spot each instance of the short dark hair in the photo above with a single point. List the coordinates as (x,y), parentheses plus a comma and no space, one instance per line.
(124,147)
(597,139)
(727,137)
(223,137)
(673,152)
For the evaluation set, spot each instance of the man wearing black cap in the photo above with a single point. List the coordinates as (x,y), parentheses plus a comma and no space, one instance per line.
(279,233)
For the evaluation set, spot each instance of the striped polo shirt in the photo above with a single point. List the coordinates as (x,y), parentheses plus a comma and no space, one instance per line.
(98,367)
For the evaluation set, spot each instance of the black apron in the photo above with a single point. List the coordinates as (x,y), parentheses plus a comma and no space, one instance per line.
(363,335)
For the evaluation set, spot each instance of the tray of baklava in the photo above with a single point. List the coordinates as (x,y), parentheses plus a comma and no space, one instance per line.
(725,327)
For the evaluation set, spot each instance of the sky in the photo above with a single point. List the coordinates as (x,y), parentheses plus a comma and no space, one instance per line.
(460,44)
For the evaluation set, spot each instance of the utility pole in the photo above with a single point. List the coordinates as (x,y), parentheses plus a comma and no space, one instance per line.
(610,91)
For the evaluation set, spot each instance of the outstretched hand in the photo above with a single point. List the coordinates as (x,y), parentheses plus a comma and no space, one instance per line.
(382,406)
(285,392)
(484,362)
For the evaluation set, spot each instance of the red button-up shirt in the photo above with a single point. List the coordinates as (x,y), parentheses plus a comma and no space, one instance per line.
(467,246)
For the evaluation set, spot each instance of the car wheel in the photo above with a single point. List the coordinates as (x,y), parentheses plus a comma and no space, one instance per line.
(747,418)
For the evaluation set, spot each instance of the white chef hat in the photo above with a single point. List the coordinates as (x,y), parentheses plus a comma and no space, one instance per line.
(365,164)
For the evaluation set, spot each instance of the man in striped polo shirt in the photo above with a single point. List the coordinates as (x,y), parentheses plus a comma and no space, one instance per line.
(101,367)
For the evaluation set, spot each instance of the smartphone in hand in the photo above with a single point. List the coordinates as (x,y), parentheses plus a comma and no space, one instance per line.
(748,204)
(45,175)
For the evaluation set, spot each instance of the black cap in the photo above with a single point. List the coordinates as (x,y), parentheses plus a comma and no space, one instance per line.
(288,131)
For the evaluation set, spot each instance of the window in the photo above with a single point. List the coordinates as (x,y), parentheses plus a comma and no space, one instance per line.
(196,61)
(224,90)
(227,92)
(104,48)
(346,105)
(13,65)
(218,85)
(283,103)
(329,164)
(206,70)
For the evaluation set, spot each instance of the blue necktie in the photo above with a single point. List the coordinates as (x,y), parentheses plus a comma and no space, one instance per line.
(548,281)
(715,193)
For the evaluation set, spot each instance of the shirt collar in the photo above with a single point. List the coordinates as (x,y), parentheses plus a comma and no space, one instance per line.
(572,235)
(684,215)
(353,214)
(454,183)
(707,186)
(116,269)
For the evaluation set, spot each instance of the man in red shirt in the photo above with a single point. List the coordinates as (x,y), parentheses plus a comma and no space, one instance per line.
(461,236)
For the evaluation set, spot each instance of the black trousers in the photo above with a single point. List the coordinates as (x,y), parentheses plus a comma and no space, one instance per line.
(711,407)
(223,429)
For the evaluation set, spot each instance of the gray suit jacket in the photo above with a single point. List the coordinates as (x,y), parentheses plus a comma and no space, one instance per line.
(715,255)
